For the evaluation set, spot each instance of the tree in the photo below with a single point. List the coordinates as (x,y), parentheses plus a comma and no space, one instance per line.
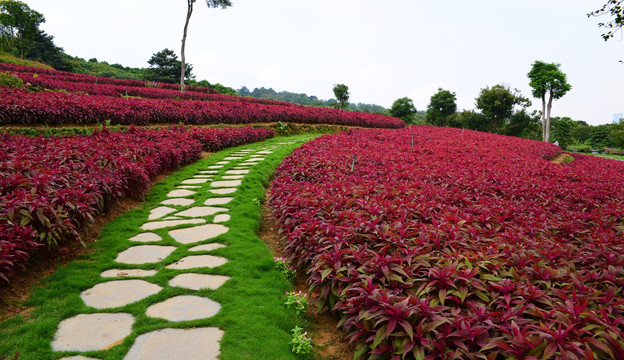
(165,67)
(616,9)
(441,107)
(547,79)
(19,25)
(403,108)
(189,11)
(341,92)
(497,105)
(44,50)
(524,125)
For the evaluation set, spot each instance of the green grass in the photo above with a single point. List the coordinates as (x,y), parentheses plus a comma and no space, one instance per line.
(257,324)
(611,156)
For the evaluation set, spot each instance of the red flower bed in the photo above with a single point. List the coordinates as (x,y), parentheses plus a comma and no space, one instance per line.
(51,187)
(465,246)
(19,106)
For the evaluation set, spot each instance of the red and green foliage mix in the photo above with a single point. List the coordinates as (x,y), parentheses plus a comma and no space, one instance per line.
(465,246)
(51,187)
(85,100)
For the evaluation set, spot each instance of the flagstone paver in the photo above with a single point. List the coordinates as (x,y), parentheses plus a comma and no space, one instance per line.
(207,247)
(90,332)
(146,237)
(180,193)
(195,181)
(117,293)
(184,308)
(200,211)
(232,177)
(179,202)
(197,233)
(233,158)
(221,218)
(223,191)
(127,273)
(78,357)
(209,171)
(237,172)
(193,281)
(144,254)
(169,223)
(215,167)
(173,218)
(222,162)
(166,344)
(159,212)
(197,261)
(202,177)
(226,183)
(218,201)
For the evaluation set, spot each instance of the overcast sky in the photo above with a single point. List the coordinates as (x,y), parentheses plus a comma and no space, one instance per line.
(381,50)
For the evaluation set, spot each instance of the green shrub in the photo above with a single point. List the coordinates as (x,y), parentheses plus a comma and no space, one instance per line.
(10,80)
(584,148)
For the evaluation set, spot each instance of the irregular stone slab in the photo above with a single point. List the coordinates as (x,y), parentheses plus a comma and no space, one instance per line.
(207,247)
(198,281)
(169,223)
(226,183)
(179,202)
(200,211)
(251,162)
(117,293)
(257,156)
(184,308)
(127,273)
(218,201)
(265,152)
(209,172)
(243,165)
(91,332)
(197,261)
(180,193)
(188,187)
(194,181)
(221,218)
(146,237)
(159,212)
(222,162)
(78,357)
(173,218)
(233,158)
(197,233)
(237,172)
(203,176)
(223,191)
(232,177)
(214,167)
(166,344)
(144,254)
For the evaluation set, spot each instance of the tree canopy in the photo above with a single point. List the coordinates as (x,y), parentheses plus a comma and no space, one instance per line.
(615,8)
(441,107)
(341,92)
(547,79)
(165,67)
(497,106)
(19,25)
(404,109)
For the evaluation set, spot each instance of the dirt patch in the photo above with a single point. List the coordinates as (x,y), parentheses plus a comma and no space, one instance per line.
(562,159)
(44,263)
(330,343)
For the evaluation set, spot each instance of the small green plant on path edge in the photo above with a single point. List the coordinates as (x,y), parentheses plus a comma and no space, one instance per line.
(257,325)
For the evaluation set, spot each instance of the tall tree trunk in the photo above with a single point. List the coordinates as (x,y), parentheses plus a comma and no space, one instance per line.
(189,11)
(548,108)
(544,124)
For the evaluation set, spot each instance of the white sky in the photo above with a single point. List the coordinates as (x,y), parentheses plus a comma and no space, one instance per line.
(381,50)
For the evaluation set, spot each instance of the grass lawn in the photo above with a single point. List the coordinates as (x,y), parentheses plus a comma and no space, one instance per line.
(256,322)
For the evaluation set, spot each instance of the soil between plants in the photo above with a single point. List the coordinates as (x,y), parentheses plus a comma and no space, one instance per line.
(329,341)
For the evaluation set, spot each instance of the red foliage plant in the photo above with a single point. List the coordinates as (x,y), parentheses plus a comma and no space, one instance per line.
(465,246)
(51,187)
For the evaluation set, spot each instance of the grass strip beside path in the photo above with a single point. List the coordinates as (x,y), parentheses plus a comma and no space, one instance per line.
(257,325)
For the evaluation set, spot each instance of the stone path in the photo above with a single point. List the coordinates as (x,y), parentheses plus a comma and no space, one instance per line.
(186,222)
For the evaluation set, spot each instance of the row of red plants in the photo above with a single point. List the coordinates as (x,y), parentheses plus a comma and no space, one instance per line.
(56,82)
(84,78)
(21,107)
(50,188)
(464,245)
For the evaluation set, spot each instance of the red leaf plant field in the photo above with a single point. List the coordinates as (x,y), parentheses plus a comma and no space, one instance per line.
(51,187)
(465,246)
(85,100)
